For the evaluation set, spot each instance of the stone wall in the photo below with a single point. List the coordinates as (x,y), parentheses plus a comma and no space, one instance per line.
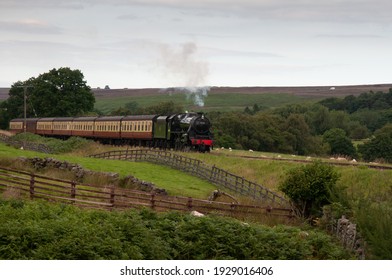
(80,173)
(346,231)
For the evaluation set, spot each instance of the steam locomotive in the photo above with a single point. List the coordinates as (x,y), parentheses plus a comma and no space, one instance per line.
(178,131)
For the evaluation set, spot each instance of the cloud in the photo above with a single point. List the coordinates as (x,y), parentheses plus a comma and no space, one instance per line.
(129,17)
(243,53)
(377,11)
(349,36)
(302,10)
(29,26)
(48,4)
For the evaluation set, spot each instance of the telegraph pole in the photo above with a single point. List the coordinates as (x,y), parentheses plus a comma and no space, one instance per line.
(24,105)
(25,109)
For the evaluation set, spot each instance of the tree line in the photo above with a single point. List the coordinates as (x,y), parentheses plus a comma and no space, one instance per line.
(310,129)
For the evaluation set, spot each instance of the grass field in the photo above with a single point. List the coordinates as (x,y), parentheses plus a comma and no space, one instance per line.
(359,181)
(175,182)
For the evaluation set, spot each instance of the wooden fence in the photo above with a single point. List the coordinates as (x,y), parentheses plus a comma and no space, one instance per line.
(18,184)
(213,174)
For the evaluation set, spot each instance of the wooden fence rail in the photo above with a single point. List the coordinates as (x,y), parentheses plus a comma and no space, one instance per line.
(18,183)
(213,174)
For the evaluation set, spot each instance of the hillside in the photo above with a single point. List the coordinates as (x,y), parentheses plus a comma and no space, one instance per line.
(225,98)
(221,98)
(316,91)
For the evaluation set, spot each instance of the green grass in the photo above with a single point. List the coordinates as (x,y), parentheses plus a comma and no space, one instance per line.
(360,181)
(213,102)
(175,182)
(238,101)
(108,104)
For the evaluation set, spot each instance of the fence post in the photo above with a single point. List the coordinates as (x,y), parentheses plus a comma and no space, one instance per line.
(233,207)
(268,210)
(189,203)
(212,172)
(153,201)
(112,195)
(32,183)
(73,191)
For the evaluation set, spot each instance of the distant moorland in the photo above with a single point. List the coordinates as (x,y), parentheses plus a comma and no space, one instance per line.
(223,98)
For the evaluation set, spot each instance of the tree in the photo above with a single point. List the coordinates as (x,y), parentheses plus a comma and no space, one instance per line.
(318,118)
(58,93)
(357,130)
(310,187)
(340,144)
(164,108)
(295,124)
(379,147)
(4,116)
(130,108)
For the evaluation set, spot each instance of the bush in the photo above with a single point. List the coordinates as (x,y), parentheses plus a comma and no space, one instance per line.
(310,187)
(340,144)
(379,147)
(57,146)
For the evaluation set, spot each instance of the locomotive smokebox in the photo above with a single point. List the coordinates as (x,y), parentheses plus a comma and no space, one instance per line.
(201,124)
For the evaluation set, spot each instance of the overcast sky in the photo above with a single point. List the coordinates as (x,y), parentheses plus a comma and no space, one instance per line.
(165,43)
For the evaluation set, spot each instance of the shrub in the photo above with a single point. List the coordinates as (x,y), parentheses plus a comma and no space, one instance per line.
(310,187)
(57,146)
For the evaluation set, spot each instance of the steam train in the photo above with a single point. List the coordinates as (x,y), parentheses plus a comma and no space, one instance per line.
(177,131)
